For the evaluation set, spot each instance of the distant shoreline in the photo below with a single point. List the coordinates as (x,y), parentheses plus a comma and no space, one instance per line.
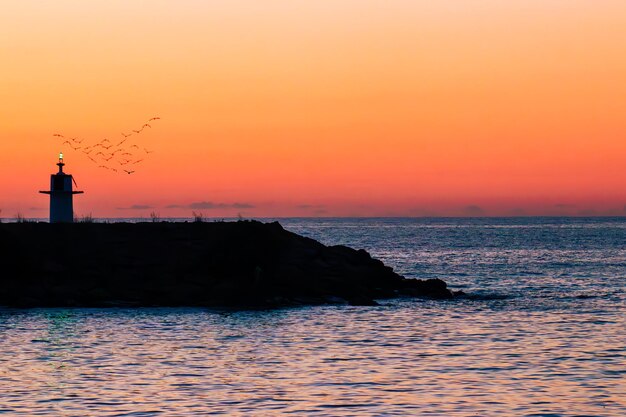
(147,219)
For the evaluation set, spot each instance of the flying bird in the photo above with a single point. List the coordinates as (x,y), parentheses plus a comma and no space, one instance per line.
(128,172)
(120,154)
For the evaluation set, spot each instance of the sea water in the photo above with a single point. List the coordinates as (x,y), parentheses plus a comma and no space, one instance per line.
(542,332)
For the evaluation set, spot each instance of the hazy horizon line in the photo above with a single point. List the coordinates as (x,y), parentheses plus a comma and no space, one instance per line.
(164,218)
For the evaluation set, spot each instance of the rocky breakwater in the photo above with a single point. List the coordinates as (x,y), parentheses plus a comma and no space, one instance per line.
(244,263)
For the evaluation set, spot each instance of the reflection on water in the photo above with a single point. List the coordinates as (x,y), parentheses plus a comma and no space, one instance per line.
(542,335)
(406,358)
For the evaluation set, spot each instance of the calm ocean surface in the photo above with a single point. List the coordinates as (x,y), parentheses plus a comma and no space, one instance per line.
(543,333)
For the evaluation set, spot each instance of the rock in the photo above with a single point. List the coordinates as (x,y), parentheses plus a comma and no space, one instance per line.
(240,264)
(358,300)
(432,288)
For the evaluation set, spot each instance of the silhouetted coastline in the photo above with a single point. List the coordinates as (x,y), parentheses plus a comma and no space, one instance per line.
(235,264)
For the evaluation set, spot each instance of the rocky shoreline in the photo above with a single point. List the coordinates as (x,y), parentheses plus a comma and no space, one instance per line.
(235,264)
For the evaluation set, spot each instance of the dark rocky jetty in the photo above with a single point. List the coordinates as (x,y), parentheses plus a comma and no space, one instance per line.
(245,264)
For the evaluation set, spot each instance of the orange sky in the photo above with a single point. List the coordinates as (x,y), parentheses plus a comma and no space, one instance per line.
(320,108)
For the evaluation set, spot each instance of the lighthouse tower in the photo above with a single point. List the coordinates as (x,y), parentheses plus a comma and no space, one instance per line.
(61,195)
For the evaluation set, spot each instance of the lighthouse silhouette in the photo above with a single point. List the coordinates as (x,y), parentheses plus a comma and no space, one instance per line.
(61,195)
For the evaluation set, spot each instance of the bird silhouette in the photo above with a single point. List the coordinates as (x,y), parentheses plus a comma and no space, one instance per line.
(119,152)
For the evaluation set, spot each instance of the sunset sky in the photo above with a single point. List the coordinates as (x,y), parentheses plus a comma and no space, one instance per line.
(319,108)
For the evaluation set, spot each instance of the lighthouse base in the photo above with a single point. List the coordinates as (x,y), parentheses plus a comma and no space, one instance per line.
(61,208)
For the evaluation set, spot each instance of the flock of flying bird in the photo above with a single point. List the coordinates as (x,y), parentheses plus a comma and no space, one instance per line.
(120,156)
